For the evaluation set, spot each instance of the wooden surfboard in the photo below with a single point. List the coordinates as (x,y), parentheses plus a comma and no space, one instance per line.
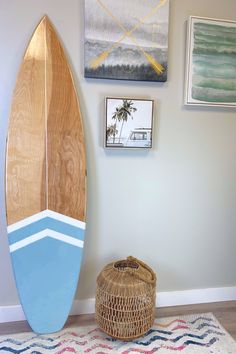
(45,183)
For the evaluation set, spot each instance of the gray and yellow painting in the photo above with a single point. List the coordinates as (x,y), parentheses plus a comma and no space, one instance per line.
(126,39)
(214,62)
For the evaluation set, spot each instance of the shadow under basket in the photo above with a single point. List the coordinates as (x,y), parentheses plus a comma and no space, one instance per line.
(125,299)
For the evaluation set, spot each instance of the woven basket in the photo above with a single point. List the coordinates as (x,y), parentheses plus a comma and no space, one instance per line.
(125,299)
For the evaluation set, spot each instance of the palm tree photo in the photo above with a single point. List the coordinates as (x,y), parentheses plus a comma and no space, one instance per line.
(123,113)
(128,122)
(111,131)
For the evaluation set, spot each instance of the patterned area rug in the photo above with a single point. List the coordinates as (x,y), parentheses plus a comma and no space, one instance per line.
(195,334)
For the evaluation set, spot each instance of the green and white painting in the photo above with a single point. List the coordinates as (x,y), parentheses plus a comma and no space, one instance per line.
(211,62)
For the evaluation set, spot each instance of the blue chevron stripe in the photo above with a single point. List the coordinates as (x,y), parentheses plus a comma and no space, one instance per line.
(21,342)
(175,340)
(159,331)
(202,325)
(202,318)
(42,338)
(33,345)
(211,341)
(187,342)
(197,336)
(14,351)
(46,223)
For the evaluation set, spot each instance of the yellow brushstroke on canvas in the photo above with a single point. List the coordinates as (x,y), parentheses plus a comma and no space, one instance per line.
(145,18)
(103,56)
(156,66)
(97,61)
(141,21)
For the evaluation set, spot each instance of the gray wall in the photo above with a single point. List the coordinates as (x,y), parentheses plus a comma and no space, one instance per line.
(175,206)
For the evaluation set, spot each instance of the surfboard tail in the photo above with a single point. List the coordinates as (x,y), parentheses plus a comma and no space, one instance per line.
(46,277)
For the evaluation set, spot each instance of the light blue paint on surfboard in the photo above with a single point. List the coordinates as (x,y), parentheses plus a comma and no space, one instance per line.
(45,223)
(41,264)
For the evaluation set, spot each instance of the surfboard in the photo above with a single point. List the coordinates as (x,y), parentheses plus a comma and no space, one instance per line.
(45,182)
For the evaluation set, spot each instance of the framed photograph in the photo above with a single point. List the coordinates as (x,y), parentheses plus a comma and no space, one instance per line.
(129,123)
(126,39)
(211,63)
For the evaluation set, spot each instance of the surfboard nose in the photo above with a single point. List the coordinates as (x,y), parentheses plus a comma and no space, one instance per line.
(45,19)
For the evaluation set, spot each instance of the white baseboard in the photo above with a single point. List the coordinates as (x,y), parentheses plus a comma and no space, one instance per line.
(11,313)
(83,307)
(164,299)
(196,296)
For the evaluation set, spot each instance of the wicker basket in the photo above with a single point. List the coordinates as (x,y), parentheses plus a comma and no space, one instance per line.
(125,299)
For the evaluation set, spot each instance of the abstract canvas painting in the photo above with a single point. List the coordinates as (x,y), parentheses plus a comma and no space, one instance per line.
(128,123)
(211,63)
(126,39)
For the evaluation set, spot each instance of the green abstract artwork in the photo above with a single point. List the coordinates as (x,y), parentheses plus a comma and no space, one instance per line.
(211,63)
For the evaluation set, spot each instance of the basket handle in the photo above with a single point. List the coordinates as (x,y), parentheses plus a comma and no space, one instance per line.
(144,265)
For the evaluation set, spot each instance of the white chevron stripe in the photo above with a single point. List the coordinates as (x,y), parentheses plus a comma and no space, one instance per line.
(43,214)
(46,233)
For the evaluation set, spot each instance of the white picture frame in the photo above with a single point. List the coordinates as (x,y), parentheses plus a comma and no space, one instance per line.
(128,123)
(210,78)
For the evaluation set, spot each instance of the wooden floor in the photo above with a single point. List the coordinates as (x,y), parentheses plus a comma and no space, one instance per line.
(225,312)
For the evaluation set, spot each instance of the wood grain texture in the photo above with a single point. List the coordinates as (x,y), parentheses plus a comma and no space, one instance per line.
(66,155)
(45,164)
(25,163)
